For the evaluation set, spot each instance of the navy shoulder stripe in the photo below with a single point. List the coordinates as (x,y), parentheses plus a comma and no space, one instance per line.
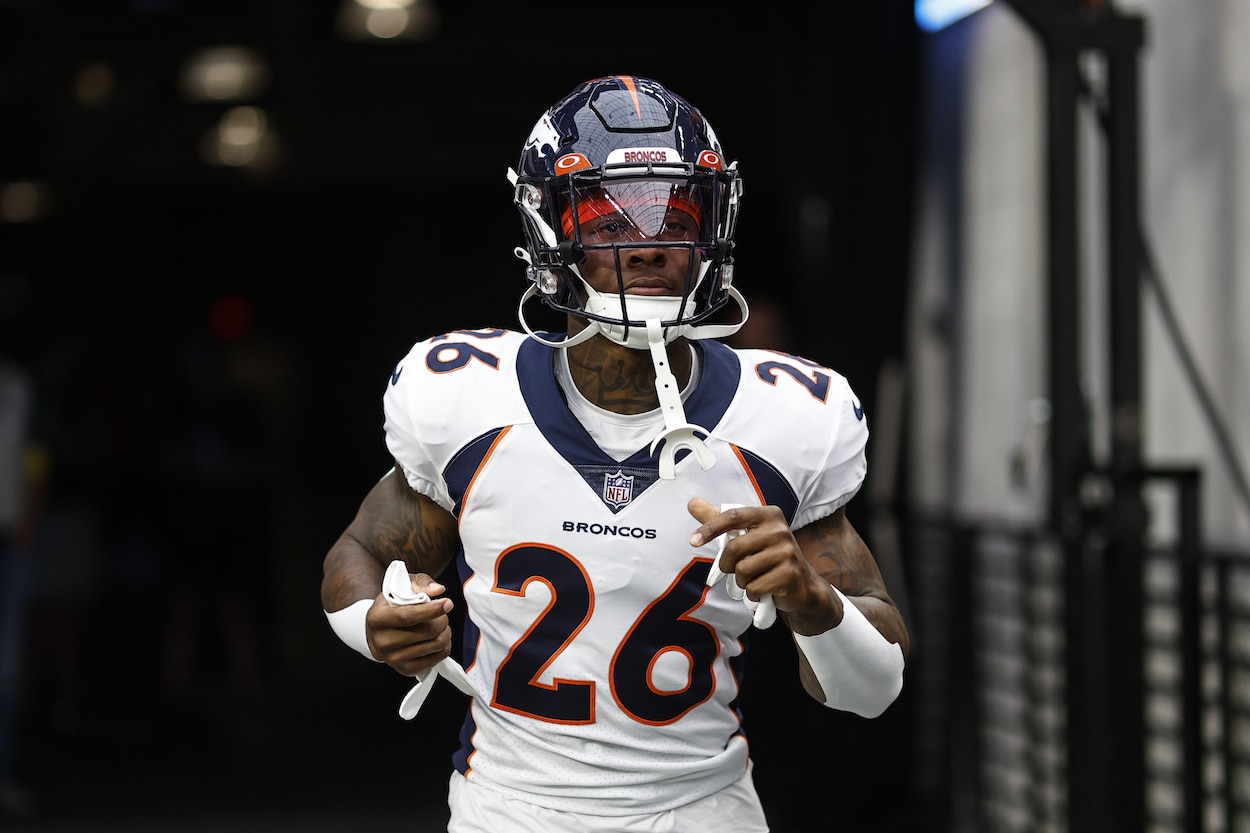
(460,470)
(775,488)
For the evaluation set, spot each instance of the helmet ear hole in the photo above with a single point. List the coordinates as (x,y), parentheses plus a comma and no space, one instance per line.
(547,282)
(529,195)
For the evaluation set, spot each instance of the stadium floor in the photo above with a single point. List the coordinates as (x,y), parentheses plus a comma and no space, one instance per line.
(312,767)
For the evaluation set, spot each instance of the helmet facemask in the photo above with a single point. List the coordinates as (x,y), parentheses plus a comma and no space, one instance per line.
(619,210)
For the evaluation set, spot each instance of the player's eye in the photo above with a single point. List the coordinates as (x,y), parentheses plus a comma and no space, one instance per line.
(606,227)
(676,227)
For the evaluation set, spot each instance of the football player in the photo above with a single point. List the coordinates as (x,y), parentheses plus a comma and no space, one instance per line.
(622,501)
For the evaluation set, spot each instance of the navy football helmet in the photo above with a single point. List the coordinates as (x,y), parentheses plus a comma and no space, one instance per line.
(627,147)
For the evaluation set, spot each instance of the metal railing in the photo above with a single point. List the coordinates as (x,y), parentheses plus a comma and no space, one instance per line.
(991,666)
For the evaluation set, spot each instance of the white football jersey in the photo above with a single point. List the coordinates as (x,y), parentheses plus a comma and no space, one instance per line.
(607,670)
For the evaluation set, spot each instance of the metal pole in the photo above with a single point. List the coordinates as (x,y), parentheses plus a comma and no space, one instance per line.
(1125,598)
(1191,617)
(1104,594)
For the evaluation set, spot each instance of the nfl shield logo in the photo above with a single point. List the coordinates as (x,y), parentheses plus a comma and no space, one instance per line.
(618,489)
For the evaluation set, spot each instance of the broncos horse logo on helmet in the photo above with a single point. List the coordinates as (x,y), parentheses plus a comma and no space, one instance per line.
(628,147)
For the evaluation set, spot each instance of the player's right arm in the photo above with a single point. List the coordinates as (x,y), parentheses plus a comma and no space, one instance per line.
(395,522)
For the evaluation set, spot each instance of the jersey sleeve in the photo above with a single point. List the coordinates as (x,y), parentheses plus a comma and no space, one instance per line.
(447,392)
(845,463)
(403,440)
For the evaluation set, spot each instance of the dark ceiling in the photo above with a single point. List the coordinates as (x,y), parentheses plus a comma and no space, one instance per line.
(387,215)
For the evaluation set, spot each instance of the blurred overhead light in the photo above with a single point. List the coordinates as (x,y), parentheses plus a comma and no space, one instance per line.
(241,139)
(94,84)
(932,15)
(388,19)
(24,202)
(224,73)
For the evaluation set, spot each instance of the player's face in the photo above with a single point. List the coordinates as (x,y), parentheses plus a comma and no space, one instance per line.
(635,225)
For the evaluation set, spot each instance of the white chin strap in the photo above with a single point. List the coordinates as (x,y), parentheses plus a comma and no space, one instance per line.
(678,433)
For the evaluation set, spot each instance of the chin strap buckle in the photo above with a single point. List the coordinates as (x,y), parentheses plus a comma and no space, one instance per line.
(678,433)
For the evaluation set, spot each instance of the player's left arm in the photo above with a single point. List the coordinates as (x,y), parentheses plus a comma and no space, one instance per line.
(835,550)
(813,575)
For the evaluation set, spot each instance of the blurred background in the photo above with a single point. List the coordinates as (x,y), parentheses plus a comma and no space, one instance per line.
(1014,226)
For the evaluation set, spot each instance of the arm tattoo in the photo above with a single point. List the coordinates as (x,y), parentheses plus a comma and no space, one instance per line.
(393,523)
(842,559)
(836,551)
(396,523)
(345,579)
(413,535)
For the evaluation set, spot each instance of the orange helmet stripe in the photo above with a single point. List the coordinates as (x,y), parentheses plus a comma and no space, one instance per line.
(628,81)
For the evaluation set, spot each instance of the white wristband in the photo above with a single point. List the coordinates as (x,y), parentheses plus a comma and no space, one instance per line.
(859,670)
(349,625)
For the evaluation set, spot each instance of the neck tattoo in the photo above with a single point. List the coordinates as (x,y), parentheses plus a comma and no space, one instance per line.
(622,382)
